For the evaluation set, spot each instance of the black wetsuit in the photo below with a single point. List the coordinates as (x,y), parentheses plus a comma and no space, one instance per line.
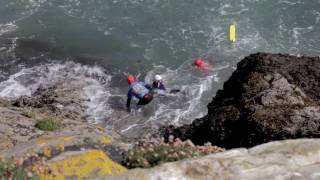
(158,85)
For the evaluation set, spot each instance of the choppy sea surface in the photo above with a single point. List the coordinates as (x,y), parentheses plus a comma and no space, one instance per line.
(43,42)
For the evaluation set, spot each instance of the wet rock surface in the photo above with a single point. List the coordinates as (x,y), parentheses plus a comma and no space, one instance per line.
(19,116)
(64,98)
(269,97)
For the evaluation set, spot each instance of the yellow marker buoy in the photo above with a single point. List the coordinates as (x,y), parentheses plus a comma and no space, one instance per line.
(233,33)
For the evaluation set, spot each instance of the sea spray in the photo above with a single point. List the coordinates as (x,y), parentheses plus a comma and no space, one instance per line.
(92,81)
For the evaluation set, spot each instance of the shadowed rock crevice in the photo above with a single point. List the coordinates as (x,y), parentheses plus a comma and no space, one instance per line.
(269,97)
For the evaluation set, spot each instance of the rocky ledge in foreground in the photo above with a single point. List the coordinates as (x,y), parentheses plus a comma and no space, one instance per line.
(269,97)
(290,159)
(48,136)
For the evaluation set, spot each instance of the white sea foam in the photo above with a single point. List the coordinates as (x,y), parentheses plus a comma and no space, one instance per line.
(297,33)
(178,108)
(92,81)
(317,15)
(230,9)
(225,8)
(291,3)
(5,28)
(98,109)
(25,9)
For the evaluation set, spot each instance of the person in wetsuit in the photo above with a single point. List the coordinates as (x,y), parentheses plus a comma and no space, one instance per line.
(157,83)
(140,90)
(203,66)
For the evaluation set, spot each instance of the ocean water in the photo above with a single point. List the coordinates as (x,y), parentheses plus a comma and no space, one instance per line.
(43,42)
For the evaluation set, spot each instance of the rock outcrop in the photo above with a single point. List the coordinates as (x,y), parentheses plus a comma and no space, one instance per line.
(269,97)
(76,149)
(290,159)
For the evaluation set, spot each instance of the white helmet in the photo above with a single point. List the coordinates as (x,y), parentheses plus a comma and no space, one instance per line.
(157,77)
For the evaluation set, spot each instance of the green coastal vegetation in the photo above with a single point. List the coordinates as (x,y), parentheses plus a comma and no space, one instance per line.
(9,170)
(47,125)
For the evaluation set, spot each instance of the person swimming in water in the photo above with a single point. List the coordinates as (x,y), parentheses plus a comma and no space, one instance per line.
(140,90)
(158,83)
(203,66)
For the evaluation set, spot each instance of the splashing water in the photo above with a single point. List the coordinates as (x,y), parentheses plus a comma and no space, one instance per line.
(151,37)
(91,81)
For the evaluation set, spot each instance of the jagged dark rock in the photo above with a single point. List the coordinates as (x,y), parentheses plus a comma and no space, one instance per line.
(269,97)
(42,97)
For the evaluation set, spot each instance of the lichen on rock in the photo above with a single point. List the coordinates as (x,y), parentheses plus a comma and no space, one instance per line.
(74,149)
(80,165)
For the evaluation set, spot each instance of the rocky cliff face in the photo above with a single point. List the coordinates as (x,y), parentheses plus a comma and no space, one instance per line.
(269,97)
(291,159)
(75,149)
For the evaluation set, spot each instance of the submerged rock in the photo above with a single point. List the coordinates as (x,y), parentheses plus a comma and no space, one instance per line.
(290,159)
(269,97)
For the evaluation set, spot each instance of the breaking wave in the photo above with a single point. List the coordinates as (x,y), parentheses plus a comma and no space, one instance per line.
(91,81)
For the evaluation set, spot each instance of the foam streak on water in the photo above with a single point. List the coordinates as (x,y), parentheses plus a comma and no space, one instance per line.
(4,28)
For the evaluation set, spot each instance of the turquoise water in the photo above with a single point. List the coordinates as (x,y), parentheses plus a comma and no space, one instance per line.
(148,37)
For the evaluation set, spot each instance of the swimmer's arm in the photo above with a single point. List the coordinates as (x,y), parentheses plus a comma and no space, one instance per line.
(148,86)
(162,87)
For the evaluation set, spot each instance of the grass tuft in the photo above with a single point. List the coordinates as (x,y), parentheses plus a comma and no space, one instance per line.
(47,125)
(12,171)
